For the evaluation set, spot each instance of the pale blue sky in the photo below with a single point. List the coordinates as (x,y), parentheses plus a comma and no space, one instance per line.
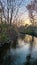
(23,4)
(22,9)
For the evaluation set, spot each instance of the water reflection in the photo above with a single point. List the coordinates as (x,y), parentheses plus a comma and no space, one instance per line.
(18,56)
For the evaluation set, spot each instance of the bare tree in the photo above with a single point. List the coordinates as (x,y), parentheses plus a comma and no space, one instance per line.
(1,10)
(15,17)
(10,6)
(2,13)
(31,9)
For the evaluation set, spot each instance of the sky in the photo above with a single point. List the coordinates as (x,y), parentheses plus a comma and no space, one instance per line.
(23,12)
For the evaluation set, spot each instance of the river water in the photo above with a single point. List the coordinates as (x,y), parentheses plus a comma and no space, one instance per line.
(18,55)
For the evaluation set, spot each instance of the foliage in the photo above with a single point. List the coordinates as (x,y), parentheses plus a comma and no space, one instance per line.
(29,30)
(3,35)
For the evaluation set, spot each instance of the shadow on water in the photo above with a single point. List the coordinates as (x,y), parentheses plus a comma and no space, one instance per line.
(3,51)
(6,59)
(17,56)
(11,60)
(4,48)
(30,61)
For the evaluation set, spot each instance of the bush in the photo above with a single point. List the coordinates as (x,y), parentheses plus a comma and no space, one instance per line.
(3,35)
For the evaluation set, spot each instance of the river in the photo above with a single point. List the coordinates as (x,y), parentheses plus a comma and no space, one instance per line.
(18,55)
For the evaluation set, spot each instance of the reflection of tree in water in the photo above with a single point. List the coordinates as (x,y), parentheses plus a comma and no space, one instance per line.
(3,50)
(11,59)
(30,61)
(29,58)
(35,62)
